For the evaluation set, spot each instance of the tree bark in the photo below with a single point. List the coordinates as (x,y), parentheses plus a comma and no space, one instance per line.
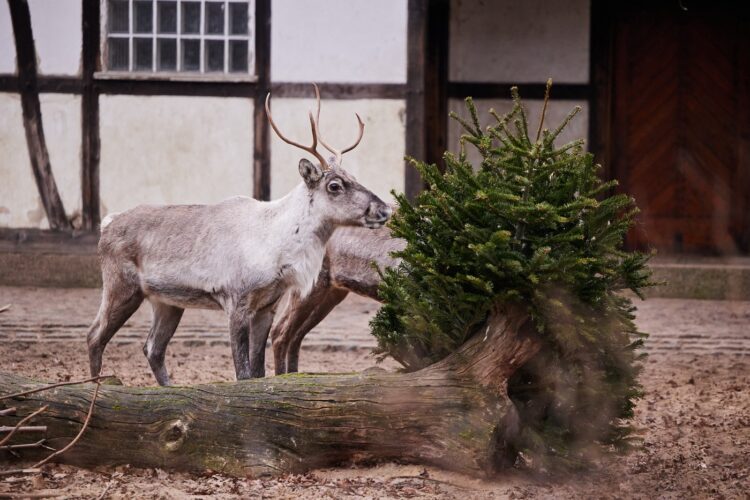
(454,414)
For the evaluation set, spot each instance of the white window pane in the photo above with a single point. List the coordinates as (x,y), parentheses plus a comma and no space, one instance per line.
(214,55)
(191,55)
(215,18)
(117,54)
(167,54)
(118,16)
(143,16)
(143,52)
(238,56)
(238,18)
(167,16)
(191,17)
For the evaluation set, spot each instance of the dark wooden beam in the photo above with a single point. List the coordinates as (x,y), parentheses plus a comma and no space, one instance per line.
(32,115)
(156,85)
(741,208)
(426,86)
(45,85)
(436,80)
(90,144)
(482,90)
(602,83)
(159,85)
(340,90)
(261,134)
(415,140)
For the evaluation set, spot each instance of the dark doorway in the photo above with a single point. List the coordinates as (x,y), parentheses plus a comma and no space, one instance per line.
(680,117)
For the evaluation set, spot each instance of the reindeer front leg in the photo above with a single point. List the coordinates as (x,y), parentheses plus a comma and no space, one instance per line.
(260,326)
(239,333)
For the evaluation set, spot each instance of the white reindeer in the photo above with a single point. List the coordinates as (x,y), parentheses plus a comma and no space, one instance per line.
(240,255)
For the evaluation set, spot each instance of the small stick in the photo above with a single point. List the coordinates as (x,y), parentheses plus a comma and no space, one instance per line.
(8,411)
(25,428)
(80,433)
(544,108)
(21,422)
(106,490)
(4,308)
(11,472)
(46,387)
(38,444)
(30,494)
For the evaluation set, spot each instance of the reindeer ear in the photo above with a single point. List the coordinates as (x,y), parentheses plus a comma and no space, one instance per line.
(310,172)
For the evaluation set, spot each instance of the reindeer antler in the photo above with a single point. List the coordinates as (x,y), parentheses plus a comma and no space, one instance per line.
(338,154)
(310,149)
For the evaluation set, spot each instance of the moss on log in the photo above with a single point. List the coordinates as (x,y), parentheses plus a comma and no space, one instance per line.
(454,414)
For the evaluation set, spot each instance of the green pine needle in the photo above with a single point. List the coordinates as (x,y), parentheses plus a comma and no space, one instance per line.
(532,223)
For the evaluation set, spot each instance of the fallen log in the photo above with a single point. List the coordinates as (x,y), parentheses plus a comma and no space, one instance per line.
(455,414)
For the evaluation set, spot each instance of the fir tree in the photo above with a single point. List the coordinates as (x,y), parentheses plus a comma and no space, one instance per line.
(533,224)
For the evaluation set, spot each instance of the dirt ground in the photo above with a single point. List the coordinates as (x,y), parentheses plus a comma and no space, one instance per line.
(694,420)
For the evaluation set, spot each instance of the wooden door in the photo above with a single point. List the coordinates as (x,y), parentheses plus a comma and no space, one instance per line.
(680,123)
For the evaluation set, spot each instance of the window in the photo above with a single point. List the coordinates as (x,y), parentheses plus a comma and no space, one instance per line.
(201,37)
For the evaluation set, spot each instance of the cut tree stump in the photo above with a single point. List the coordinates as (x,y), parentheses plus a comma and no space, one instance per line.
(454,414)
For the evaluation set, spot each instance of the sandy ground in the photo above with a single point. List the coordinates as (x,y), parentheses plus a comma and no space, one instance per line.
(694,420)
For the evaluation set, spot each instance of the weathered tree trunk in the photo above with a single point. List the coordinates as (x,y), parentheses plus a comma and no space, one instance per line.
(455,414)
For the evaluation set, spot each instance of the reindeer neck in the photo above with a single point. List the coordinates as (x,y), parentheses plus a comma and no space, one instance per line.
(296,212)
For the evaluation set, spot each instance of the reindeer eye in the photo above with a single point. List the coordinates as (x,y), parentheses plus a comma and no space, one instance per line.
(335,187)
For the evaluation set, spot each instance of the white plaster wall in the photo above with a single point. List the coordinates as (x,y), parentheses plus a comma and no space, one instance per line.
(174,150)
(339,41)
(516,42)
(20,205)
(7,45)
(378,161)
(56,25)
(556,112)
(57,32)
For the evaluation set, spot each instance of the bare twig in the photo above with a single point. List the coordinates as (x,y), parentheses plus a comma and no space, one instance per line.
(21,422)
(4,308)
(544,108)
(31,494)
(8,411)
(106,490)
(13,472)
(38,444)
(25,428)
(80,433)
(46,387)
(436,481)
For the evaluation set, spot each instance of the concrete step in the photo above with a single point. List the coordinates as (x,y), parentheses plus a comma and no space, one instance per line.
(76,266)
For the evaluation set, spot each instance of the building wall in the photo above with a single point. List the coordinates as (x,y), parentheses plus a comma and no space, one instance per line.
(377,162)
(167,149)
(20,205)
(519,42)
(339,41)
(57,32)
(343,41)
(160,149)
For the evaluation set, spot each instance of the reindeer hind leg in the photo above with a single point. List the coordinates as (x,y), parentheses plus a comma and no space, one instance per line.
(120,299)
(323,306)
(164,323)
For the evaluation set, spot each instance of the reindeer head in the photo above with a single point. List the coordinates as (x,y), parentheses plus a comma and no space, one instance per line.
(333,192)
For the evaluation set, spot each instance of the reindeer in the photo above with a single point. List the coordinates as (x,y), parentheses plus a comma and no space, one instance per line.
(240,255)
(347,267)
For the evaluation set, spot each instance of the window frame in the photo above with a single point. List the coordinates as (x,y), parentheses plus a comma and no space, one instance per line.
(186,76)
